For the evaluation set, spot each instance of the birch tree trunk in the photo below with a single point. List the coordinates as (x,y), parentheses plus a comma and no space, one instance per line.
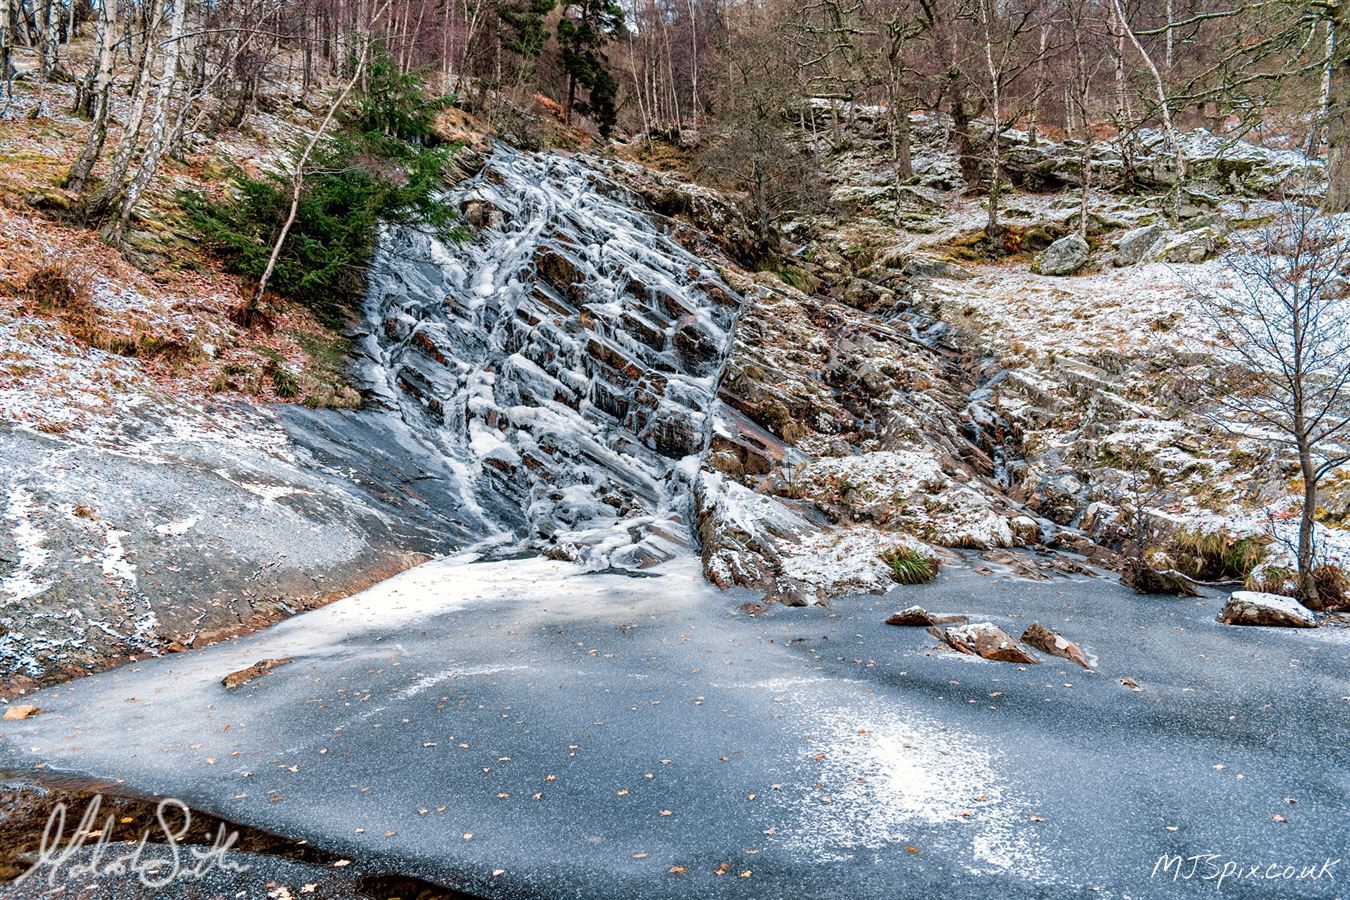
(6,41)
(1164,110)
(115,181)
(1324,100)
(158,136)
(992,228)
(51,37)
(98,131)
(1338,127)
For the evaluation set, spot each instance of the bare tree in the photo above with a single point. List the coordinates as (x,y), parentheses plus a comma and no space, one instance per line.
(1285,322)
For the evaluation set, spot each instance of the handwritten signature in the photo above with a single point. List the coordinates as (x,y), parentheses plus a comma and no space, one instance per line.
(165,862)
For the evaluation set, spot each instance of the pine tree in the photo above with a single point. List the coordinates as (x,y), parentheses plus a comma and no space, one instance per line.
(586,27)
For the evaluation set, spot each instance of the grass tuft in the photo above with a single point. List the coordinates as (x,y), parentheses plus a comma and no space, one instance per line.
(909,566)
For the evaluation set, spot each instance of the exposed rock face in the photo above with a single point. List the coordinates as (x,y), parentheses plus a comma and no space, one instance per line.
(860,425)
(1253,608)
(987,640)
(1064,257)
(1047,641)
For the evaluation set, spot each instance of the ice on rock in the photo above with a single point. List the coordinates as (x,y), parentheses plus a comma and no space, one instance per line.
(565,357)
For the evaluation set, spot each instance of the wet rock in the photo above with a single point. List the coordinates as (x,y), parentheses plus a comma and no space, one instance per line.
(986,640)
(1064,257)
(1047,641)
(257,670)
(700,350)
(1140,245)
(1271,610)
(558,270)
(481,214)
(1058,497)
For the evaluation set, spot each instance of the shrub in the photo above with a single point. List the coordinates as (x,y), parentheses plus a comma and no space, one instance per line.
(285,383)
(910,566)
(1333,585)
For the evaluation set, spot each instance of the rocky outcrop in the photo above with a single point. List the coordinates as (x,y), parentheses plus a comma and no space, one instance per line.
(565,357)
(1270,610)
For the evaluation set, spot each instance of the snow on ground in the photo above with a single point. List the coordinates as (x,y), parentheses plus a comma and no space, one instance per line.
(849,559)
(884,773)
(23,582)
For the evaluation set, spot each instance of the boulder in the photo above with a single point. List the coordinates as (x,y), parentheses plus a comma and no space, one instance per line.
(987,640)
(20,711)
(1140,245)
(1146,579)
(1026,530)
(794,592)
(918,617)
(1272,610)
(1047,641)
(1064,257)
(912,616)
(1193,246)
(257,670)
